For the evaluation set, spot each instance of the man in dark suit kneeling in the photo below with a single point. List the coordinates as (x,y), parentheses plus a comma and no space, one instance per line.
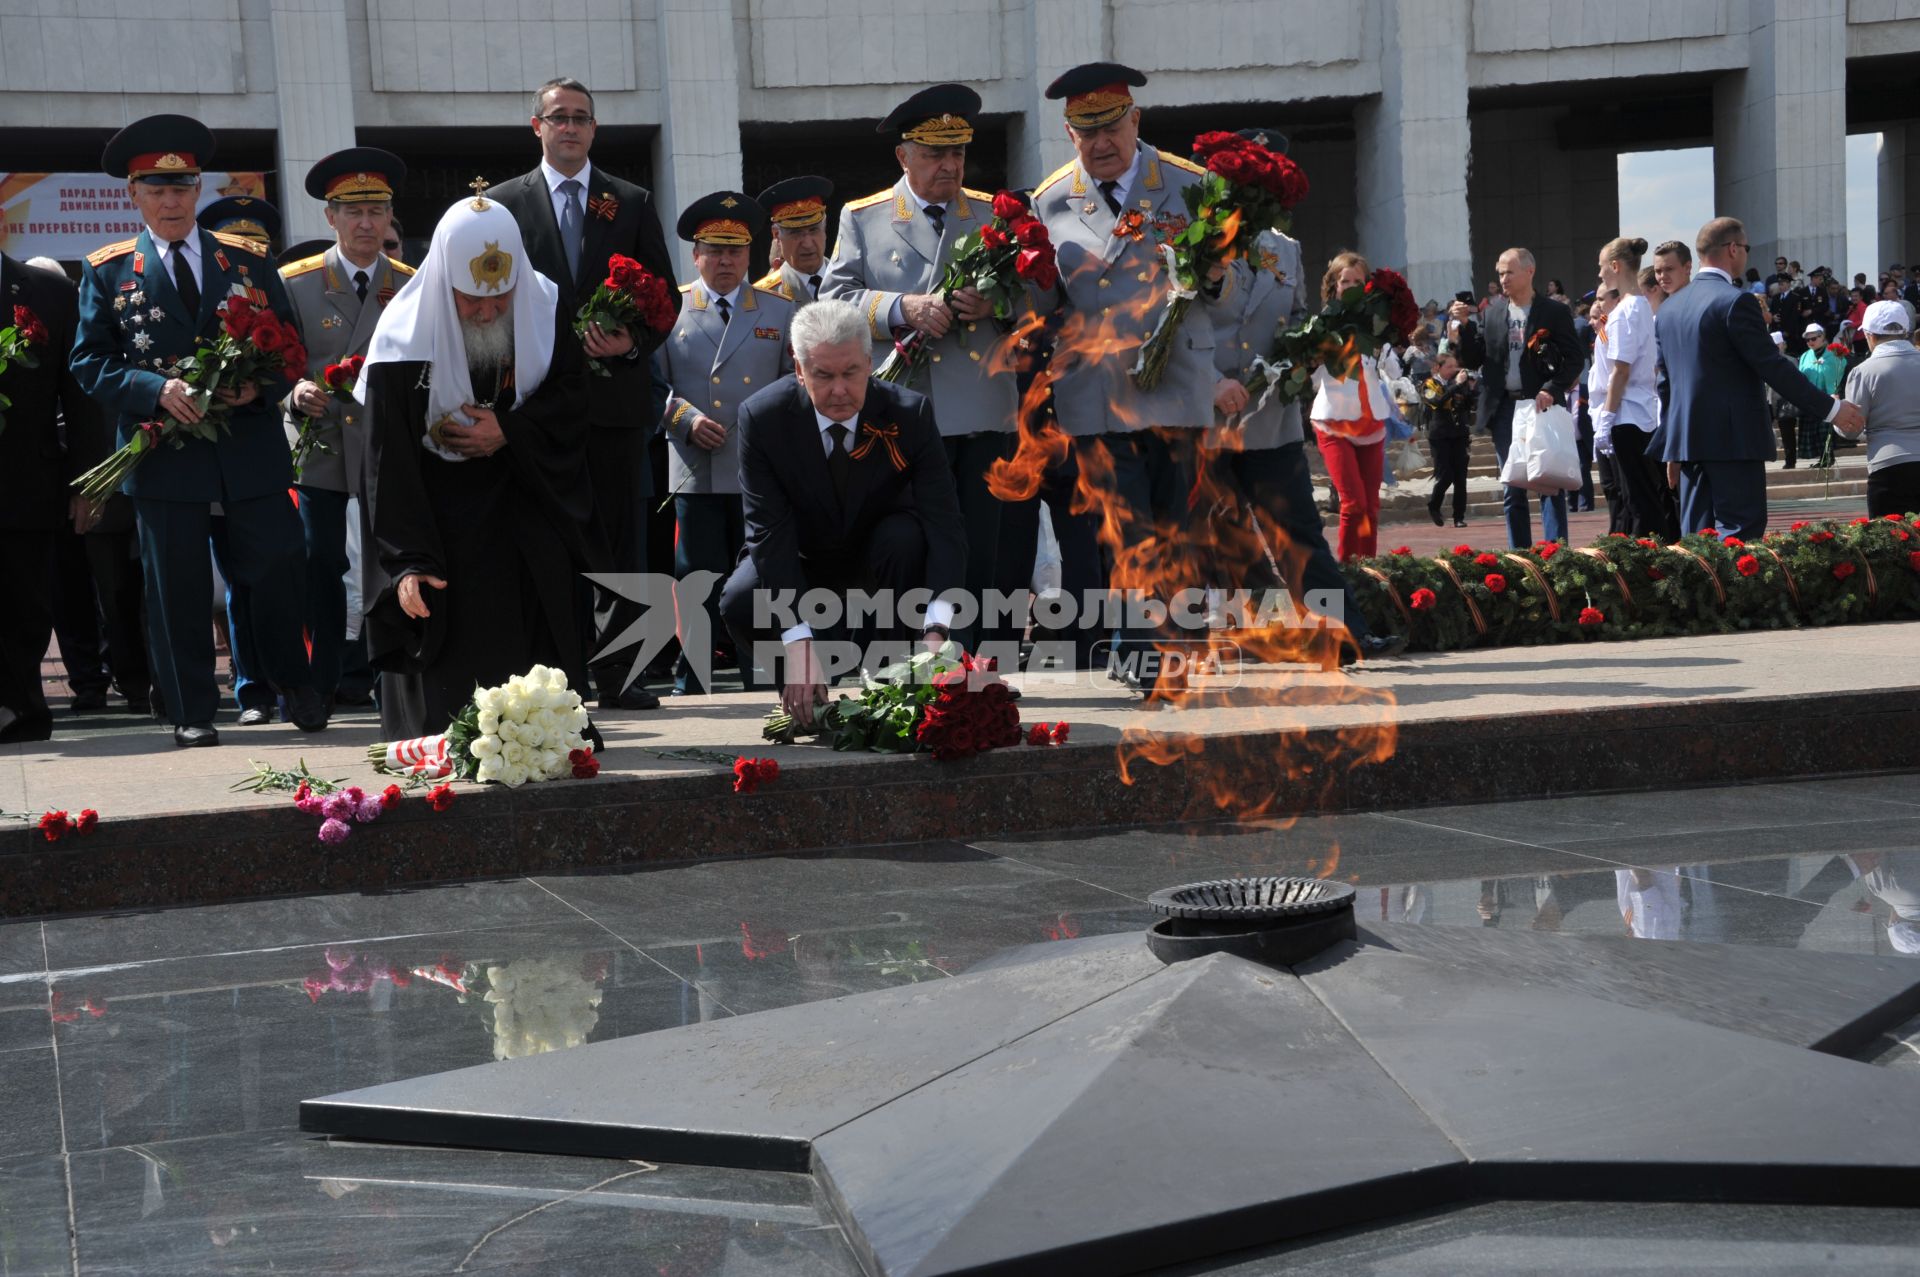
(846,487)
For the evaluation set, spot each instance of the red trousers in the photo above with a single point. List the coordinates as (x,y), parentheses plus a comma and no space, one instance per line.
(1355,471)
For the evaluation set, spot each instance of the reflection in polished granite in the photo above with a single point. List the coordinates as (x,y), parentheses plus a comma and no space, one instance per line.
(186,1038)
(1571,1238)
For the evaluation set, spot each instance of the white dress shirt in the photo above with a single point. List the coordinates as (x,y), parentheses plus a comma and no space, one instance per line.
(939,611)
(191,247)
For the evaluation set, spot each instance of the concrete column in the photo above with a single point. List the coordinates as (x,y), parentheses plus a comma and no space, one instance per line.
(1065,33)
(1899,196)
(313,96)
(1780,133)
(698,149)
(1411,186)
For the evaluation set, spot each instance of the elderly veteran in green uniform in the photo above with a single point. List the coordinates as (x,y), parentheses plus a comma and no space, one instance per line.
(1140,446)
(892,250)
(1261,448)
(143,304)
(255,219)
(797,210)
(730,341)
(338,296)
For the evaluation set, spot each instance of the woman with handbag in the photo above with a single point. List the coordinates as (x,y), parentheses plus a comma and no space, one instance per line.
(1350,423)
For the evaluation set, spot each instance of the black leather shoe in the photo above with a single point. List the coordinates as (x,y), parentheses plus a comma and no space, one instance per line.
(635,697)
(139,705)
(194,735)
(1438,521)
(592,736)
(307,709)
(1459,523)
(89,702)
(1373,647)
(256,716)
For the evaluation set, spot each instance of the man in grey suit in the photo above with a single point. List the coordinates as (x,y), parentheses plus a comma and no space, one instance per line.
(729,343)
(1140,446)
(797,210)
(337,298)
(1261,449)
(892,250)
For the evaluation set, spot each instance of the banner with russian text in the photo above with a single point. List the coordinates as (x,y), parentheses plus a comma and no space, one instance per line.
(65,216)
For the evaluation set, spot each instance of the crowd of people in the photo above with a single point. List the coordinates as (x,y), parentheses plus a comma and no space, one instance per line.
(470,493)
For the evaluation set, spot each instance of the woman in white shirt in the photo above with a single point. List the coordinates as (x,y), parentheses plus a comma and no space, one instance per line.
(1349,420)
(1627,410)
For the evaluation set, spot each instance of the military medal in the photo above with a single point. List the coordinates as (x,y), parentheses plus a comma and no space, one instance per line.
(220,255)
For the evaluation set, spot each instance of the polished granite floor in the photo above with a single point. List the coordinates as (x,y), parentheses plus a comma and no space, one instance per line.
(152,1063)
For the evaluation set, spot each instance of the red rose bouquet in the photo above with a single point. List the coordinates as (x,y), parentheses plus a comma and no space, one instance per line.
(20,344)
(1247,189)
(998,261)
(1359,322)
(253,345)
(945,703)
(338,380)
(630,297)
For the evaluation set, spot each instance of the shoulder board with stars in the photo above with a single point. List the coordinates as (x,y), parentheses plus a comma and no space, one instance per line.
(399,267)
(305,266)
(1181,162)
(868,201)
(241,241)
(111,251)
(772,291)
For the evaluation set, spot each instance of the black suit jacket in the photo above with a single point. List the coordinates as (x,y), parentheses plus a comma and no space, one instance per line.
(1485,351)
(625,400)
(35,468)
(798,533)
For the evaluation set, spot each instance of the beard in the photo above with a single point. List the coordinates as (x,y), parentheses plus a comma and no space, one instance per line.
(488,347)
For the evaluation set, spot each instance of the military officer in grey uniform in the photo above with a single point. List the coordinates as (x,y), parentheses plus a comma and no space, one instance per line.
(1260,450)
(730,341)
(337,297)
(1109,212)
(893,248)
(797,210)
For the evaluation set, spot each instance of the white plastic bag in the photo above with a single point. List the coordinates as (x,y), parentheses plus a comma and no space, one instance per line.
(1407,459)
(1542,457)
(1046,557)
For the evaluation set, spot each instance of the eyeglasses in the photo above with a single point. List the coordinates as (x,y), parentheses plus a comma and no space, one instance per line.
(567,121)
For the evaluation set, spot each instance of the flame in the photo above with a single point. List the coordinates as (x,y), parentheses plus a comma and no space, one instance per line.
(1229,231)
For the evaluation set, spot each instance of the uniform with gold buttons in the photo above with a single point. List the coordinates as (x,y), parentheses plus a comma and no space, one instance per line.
(891,252)
(729,341)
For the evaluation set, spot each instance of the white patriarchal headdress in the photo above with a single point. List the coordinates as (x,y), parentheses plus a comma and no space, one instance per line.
(476,249)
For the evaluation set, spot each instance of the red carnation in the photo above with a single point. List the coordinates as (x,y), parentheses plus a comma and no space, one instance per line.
(1734,543)
(1591,617)
(1547,549)
(89,820)
(1708,532)
(1796,527)
(1007,206)
(1060,733)
(1818,537)
(53,826)
(1841,571)
(1401,549)
(1486,560)
(1496,583)
(391,796)
(1862,521)
(440,797)
(1037,734)
(1463,549)
(1651,545)
(1655,574)
(1423,600)
(1746,565)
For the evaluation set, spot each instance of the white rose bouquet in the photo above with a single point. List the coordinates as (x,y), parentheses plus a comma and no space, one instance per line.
(527,729)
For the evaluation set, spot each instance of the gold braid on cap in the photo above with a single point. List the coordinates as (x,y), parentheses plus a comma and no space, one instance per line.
(723,231)
(1099,107)
(941,130)
(252,230)
(796,214)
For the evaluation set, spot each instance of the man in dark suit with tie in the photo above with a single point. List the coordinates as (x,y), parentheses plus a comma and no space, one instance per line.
(846,486)
(573,218)
(34,472)
(1719,362)
(1524,349)
(144,303)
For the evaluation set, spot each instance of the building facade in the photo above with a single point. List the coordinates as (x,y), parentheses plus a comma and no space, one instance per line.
(1435,132)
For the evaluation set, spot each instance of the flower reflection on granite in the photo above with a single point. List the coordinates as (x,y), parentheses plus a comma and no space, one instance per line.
(543,1004)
